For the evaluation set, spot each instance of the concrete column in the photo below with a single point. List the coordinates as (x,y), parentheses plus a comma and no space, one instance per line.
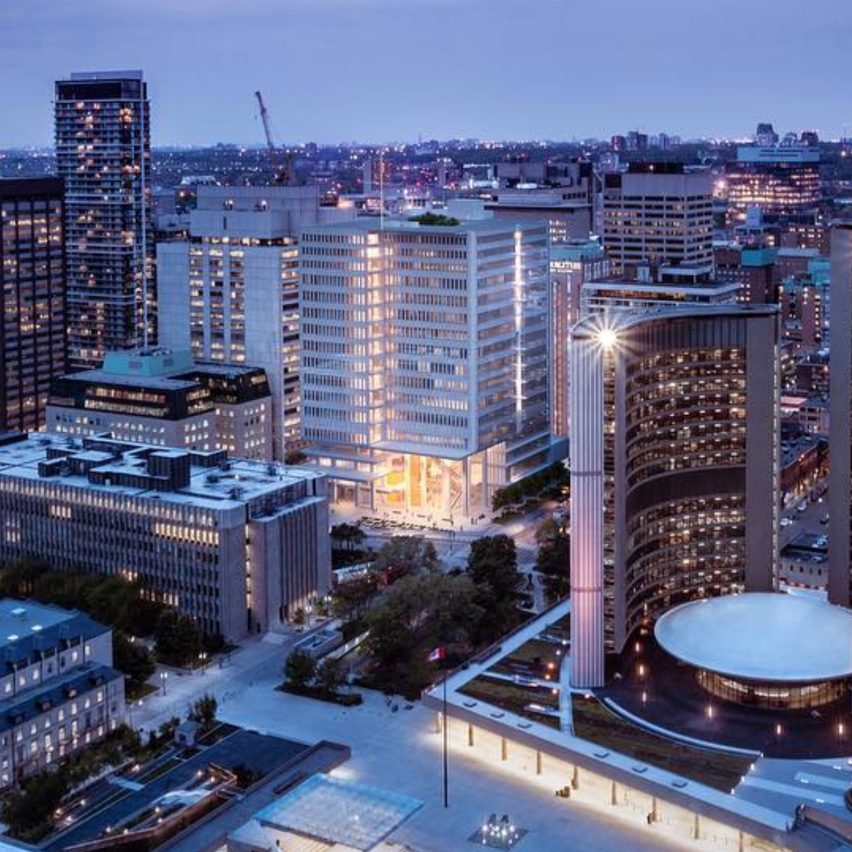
(575,778)
(655,814)
(538,762)
(613,798)
(504,749)
(696,829)
(587,497)
(470,735)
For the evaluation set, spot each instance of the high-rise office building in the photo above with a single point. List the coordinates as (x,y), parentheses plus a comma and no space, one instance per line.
(103,154)
(783,181)
(840,419)
(32,278)
(659,214)
(674,463)
(425,361)
(239,545)
(229,293)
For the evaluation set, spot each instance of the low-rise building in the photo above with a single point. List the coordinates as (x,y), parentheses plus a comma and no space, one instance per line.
(237,544)
(165,398)
(804,562)
(58,690)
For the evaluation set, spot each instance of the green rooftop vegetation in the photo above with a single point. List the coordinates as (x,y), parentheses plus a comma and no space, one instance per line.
(718,769)
(515,698)
(438,219)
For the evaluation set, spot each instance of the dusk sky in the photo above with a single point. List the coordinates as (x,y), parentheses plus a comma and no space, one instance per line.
(383,70)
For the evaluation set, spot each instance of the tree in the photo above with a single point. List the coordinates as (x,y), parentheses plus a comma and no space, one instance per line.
(421,612)
(493,567)
(299,617)
(203,711)
(351,536)
(132,659)
(553,562)
(179,640)
(330,675)
(494,560)
(300,669)
(352,596)
(407,554)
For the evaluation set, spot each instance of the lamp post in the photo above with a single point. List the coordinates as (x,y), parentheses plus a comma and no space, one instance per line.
(202,660)
(164,676)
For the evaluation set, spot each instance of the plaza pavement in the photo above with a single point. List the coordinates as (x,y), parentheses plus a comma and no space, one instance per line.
(398,751)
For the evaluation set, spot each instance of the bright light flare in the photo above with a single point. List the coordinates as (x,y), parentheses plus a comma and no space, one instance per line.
(607,338)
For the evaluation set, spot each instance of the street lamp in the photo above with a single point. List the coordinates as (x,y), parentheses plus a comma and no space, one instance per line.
(164,676)
(202,660)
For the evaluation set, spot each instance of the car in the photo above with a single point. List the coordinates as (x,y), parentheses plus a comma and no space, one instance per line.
(802,506)
(824,520)
(785,522)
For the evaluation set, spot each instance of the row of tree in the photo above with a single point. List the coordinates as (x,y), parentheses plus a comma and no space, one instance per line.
(556,477)
(115,601)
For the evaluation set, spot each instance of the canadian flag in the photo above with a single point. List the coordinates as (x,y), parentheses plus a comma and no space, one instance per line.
(438,654)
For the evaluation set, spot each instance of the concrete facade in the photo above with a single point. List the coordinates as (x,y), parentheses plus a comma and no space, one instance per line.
(677,445)
(239,545)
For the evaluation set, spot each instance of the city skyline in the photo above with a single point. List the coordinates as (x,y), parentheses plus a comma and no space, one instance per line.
(553,82)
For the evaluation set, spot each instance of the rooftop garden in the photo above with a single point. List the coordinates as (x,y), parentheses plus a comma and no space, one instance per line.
(531,702)
(718,769)
(437,219)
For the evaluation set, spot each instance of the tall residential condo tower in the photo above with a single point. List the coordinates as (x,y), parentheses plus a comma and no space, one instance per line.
(674,467)
(425,356)
(32,332)
(103,154)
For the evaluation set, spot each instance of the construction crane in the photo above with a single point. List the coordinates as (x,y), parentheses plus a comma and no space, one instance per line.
(285,173)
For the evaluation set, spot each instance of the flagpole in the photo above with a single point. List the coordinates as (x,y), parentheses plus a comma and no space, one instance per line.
(444,726)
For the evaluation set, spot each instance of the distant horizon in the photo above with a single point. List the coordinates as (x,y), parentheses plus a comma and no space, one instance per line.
(483,69)
(349,143)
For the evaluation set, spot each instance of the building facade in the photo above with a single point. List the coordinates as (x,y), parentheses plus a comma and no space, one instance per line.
(660,214)
(783,181)
(840,419)
(239,545)
(32,276)
(103,154)
(425,362)
(164,398)
(673,446)
(572,266)
(230,292)
(58,690)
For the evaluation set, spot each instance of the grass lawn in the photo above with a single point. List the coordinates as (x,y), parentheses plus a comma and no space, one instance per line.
(514,698)
(137,691)
(533,657)
(211,737)
(594,722)
(157,771)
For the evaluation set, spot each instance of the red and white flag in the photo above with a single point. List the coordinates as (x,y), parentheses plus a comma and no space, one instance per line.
(438,654)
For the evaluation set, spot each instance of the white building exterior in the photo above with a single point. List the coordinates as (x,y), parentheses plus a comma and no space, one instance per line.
(425,362)
(58,690)
(230,292)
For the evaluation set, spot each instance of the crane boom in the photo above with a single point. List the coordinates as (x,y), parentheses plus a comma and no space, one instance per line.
(264,117)
(284,174)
